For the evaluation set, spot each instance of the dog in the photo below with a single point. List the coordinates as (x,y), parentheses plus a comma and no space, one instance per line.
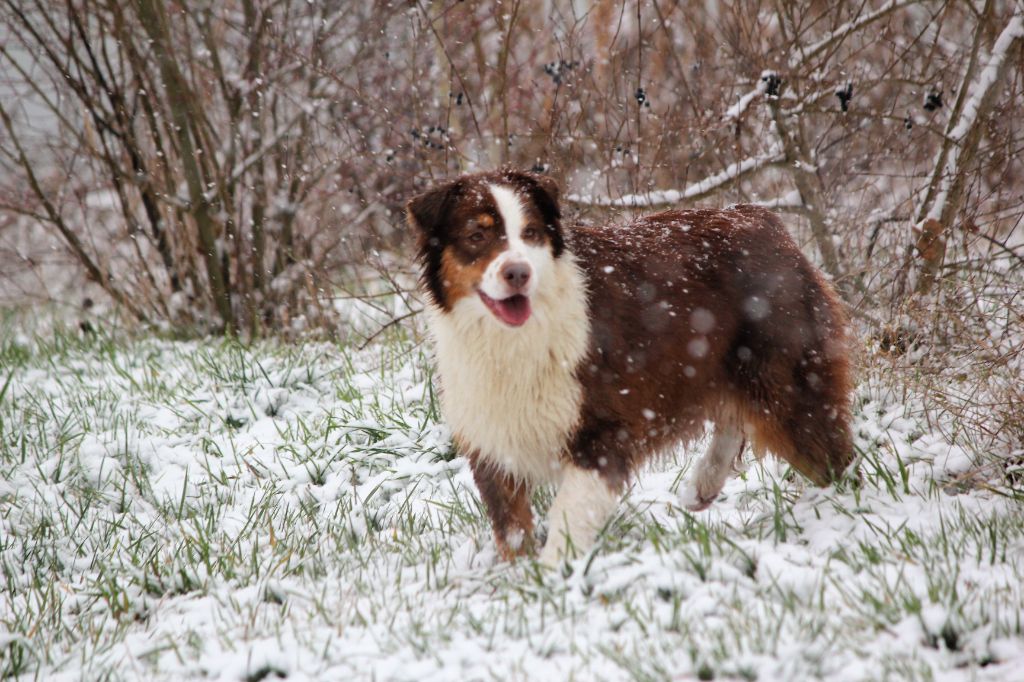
(572,355)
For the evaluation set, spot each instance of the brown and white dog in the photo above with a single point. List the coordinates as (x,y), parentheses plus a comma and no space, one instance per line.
(573,354)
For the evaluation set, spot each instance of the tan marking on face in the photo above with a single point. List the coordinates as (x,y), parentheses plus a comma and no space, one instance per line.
(485,220)
(461,279)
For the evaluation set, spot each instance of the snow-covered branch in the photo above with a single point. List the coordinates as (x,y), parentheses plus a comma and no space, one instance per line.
(805,54)
(693,192)
(947,186)
(979,91)
(789,200)
(710,184)
(737,110)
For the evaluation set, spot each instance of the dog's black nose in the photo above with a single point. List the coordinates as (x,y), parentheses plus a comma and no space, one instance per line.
(516,274)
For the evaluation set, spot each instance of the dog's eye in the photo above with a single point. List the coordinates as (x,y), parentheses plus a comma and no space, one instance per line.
(476,237)
(530,233)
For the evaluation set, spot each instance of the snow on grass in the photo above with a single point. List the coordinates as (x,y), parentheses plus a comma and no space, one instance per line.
(200,510)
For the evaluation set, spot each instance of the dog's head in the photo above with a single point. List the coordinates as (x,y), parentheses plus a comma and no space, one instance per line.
(488,242)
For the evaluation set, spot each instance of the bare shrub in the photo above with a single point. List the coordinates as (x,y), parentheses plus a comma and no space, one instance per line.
(228,165)
(191,166)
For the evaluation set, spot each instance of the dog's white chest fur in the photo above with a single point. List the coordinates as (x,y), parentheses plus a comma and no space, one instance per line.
(512,394)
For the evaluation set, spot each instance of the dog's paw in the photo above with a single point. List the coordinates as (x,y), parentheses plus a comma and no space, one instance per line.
(693,501)
(557,557)
(514,544)
(555,563)
(551,557)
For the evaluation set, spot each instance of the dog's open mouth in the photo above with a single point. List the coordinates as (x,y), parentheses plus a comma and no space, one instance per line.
(513,311)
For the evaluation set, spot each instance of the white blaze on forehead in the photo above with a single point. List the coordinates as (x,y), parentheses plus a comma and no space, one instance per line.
(510,208)
(540,259)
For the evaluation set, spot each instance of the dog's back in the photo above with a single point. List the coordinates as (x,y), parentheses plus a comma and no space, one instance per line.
(711,314)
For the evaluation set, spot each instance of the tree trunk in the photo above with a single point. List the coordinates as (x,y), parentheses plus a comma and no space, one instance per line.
(154,22)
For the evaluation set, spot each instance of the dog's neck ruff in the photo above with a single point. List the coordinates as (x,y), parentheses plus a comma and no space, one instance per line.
(511,394)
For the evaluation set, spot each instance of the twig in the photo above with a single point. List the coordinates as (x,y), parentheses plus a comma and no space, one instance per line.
(388,325)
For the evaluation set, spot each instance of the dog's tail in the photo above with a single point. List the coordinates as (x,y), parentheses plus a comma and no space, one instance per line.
(793,376)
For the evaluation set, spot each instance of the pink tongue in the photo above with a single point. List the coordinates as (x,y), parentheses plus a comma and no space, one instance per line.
(513,311)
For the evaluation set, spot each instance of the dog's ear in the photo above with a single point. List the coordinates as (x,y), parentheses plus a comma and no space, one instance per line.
(547,184)
(426,212)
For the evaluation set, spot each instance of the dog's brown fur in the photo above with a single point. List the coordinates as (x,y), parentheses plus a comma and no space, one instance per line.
(785,375)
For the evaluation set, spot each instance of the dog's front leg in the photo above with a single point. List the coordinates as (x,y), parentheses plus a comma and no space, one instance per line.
(583,504)
(508,505)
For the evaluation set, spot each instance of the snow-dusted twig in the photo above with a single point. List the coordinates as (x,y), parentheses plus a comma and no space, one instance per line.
(695,191)
(248,162)
(387,325)
(751,164)
(969,114)
(789,200)
(805,54)
(737,110)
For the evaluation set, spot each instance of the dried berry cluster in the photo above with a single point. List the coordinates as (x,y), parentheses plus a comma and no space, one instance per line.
(434,137)
(557,70)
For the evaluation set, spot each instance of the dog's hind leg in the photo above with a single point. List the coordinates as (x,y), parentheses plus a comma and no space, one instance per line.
(715,466)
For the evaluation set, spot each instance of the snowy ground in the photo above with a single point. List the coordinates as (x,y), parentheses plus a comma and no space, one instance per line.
(196,510)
